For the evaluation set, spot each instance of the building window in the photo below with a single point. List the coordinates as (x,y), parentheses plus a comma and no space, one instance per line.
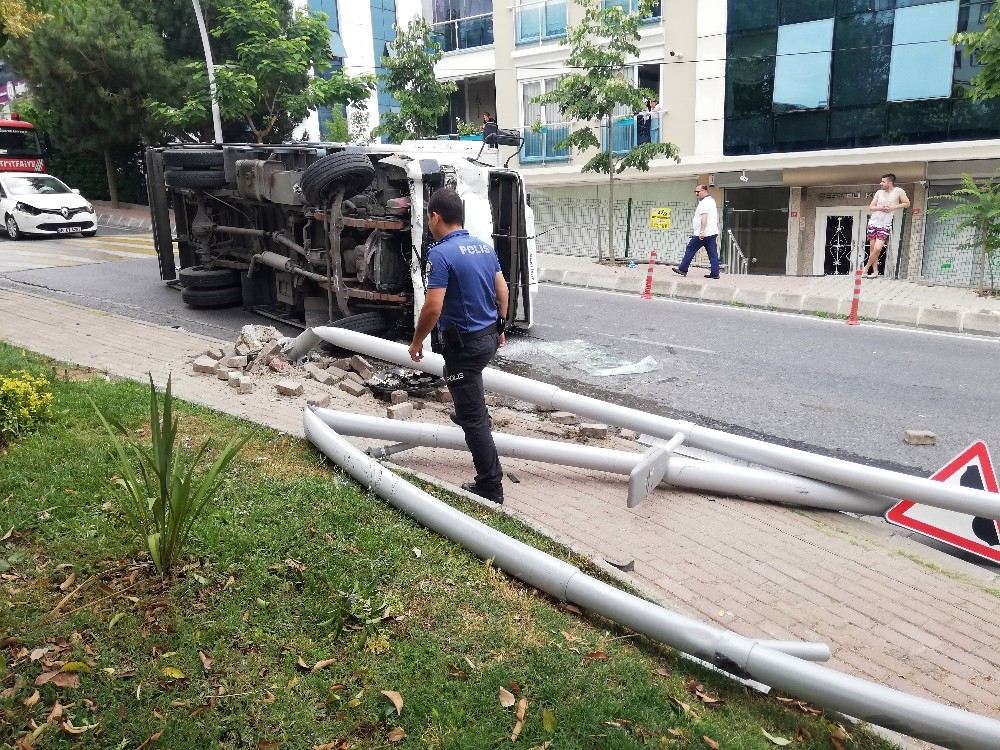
(542,125)
(632,6)
(463,24)
(923,58)
(802,67)
(539,21)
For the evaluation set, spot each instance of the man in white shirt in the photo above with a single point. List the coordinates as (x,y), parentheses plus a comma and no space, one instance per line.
(887,199)
(706,234)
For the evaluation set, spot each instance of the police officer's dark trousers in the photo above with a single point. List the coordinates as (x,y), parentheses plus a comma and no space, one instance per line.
(464,376)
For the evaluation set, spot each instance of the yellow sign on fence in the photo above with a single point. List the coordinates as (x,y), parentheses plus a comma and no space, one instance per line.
(660,218)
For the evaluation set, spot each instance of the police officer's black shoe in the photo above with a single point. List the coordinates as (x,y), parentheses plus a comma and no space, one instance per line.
(493,494)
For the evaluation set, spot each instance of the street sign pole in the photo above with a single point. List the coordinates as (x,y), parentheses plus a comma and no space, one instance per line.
(213,91)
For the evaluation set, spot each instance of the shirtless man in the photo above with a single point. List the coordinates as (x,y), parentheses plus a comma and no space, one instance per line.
(887,199)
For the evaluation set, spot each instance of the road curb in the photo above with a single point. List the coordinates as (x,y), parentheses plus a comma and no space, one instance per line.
(910,316)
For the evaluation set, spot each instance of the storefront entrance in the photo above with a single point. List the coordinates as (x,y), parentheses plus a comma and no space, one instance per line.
(758,221)
(840,243)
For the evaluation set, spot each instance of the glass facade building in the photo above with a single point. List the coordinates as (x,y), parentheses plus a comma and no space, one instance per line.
(805,75)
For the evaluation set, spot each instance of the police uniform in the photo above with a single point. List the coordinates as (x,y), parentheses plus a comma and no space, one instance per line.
(466,268)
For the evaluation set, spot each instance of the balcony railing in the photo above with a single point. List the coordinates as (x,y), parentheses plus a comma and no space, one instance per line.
(540,145)
(631,130)
(631,6)
(464,33)
(539,22)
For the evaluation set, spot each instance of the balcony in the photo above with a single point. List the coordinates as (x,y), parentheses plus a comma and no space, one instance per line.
(539,22)
(540,145)
(464,33)
(630,130)
(632,6)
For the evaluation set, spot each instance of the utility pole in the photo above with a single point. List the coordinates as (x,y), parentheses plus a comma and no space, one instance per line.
(213,91)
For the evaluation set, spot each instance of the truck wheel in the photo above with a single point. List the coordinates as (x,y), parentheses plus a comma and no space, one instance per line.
(192,158)
(227,297)
(354,171)
(194,178)
(202,277)
(372,323)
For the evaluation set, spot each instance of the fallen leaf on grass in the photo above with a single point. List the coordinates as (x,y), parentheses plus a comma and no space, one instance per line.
(710,742)
(59,679)
(549,720)
(596,655)
(206,663)
(682,705)
(32,700)
(839,733)
(335,745)
(416,552)
(68,583)
(38,653)
(173,673)
(803,734)
(322,664)
(75,666)
(55,715)
(837,744)
(115,619)
(396,735)
(150,740)
(522,706)
(544,746)
(779,741)
(301,664)
(506,698)
(68,728)
(396,699)
(8,535)
(661,672)
(675,732)
(457,674)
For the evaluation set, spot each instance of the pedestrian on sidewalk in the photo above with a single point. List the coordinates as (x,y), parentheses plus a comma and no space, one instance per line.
(706,234)
(467,299)
(887,199)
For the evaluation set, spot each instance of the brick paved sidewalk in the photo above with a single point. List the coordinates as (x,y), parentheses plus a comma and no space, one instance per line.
(900,302)
(892,610)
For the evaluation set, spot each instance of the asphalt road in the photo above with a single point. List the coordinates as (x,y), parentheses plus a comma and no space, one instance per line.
(797,380)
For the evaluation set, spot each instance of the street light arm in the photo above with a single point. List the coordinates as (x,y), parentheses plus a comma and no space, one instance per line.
(213,91)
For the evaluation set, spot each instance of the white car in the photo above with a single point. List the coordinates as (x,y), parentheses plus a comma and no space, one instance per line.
(40,204)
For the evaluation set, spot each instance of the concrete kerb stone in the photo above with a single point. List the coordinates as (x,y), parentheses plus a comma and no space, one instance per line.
(786,301)
(867,309)
(814,304)
(940,320)
(716,293)
(688,290)
(551,276)
(663,287)
(576,278)
(890,312)
(753,297)
(982,323)
(629,284)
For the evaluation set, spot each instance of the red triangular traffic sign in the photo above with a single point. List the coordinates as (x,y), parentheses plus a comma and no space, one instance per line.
(980,536)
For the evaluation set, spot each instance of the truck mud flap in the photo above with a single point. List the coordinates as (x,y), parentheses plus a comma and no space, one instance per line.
(511,242)
(160,214)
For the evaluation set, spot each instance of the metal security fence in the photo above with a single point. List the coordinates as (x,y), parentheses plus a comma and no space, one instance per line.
(950,255)
(579,226)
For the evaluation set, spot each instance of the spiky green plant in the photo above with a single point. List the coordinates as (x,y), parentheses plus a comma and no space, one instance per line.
(164,494)
(976,207)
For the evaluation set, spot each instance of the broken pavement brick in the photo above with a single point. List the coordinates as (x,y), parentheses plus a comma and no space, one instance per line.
(215,353)
(360,365)
(316,372)
(354,388)
(400,411)
(235,363)
(289,387)
(919,437)
(594,430)
(322,400)
(205,364)
(398,397)
(279,364)
(443,395)
(336,373)
(564,417)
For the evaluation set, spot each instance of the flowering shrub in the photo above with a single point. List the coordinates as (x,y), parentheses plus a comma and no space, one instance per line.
(24,403)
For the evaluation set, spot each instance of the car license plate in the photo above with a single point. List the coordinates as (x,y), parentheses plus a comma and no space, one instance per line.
(67,230)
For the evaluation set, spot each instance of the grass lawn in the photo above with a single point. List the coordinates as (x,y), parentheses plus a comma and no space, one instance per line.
(300,599)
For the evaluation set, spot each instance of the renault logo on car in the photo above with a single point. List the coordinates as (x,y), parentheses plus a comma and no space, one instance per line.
(65,212)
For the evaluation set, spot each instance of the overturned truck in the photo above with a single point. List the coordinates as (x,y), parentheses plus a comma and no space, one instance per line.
(314,234)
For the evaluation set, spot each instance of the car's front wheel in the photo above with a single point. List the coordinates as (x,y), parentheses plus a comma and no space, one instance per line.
(13,231)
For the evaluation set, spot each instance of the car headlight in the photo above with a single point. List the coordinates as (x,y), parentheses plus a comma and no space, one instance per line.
(24,208)
(90,208)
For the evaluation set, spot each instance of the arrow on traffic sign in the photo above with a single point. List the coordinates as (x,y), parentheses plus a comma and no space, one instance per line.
(980,536)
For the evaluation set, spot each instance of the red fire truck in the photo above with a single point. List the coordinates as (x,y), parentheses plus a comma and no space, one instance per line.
(20,146)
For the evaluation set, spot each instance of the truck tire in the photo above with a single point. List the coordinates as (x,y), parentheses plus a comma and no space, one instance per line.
(227,297)
(372,323)
(194,178)
(202,277)
(192,158)
(352,170)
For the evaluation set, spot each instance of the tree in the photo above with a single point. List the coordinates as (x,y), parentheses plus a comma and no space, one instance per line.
(19,17)
(984,47)
(410,78)
(977,209)
(600,45)
(266,84)
(93,84)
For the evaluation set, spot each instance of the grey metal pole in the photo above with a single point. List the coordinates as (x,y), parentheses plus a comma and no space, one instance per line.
(917,717)
(213,91)
(708,476)
(867,479)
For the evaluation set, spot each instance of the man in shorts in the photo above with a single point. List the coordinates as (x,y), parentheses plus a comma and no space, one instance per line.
(887,199)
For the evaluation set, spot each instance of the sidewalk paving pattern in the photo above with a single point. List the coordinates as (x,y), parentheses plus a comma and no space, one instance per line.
(893,610)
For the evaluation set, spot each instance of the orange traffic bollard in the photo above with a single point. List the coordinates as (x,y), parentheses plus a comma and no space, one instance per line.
(647,293)
(852,319)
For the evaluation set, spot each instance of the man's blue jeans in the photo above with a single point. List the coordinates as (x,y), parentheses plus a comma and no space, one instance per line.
(711,245)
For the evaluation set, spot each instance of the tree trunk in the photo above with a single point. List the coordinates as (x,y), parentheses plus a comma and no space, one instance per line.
(109,167)
(611,190)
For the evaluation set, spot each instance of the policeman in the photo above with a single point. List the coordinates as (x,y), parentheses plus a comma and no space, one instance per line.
(467,299)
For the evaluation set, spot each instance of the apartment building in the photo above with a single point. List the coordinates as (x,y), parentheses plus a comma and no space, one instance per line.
(790,109)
